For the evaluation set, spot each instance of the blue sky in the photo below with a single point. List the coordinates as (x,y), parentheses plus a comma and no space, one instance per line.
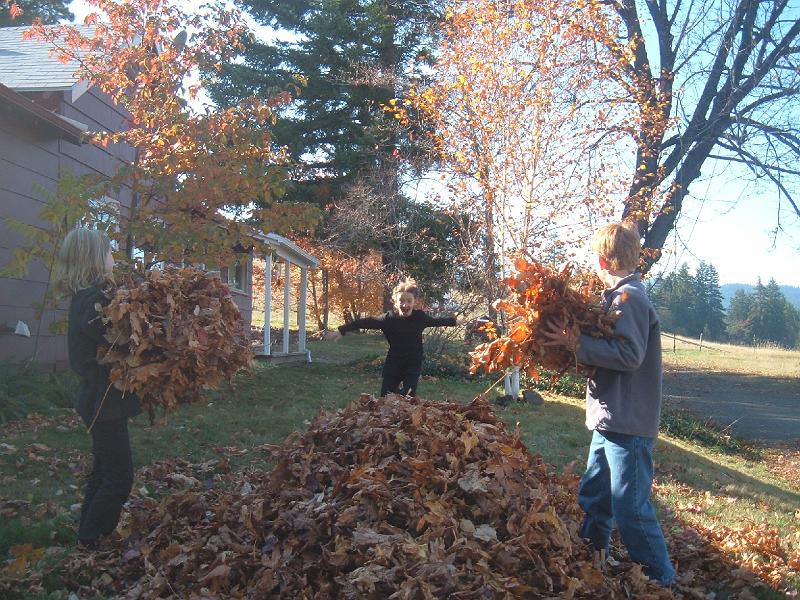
(727,223)
(731,225)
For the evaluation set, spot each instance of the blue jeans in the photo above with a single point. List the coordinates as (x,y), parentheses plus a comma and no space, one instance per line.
(616,488)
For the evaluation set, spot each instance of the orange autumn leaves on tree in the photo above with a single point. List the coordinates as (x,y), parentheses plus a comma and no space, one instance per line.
(15,10)
(193,170)
(539,296)
(342,284)
(511,114)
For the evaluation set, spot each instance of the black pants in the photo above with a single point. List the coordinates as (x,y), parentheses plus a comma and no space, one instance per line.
(110,482)
(400,378)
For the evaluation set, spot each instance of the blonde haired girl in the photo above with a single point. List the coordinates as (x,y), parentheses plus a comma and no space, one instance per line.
(86,263)
(85,259)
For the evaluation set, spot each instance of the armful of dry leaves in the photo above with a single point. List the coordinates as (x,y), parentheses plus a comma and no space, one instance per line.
(538,297)
(172,333)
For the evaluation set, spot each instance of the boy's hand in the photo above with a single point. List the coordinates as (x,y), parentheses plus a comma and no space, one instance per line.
(555,334)
(332,335)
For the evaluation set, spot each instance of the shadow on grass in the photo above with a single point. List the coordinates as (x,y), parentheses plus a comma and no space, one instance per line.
(556,431)
(752,407)
(699,484)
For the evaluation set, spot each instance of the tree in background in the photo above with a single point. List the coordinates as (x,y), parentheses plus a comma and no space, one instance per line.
(413,238)
(508,115)
(709,301)
(765,316)
(691,304)
(737,321)
(343,285)
(676,298)
(703,81)
(652,92)
(349,58)
(23,12)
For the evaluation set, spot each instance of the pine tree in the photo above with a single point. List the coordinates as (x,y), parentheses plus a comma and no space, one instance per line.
(767,316)
(684,303)
(763,316)
(738,320)
(661,295)
(691,304)
(791,337)
(710,314)
(346,60)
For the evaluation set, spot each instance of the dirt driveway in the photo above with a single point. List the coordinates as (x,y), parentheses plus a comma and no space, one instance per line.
(764,409)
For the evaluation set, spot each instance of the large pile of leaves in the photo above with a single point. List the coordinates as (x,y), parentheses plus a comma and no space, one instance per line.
(539,295)
(172,333)
(388,498)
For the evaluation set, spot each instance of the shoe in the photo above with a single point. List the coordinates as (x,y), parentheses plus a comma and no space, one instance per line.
(89,545)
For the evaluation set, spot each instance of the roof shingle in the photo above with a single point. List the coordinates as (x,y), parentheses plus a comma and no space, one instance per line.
(27,66)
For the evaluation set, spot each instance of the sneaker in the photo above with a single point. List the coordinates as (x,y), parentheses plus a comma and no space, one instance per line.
(89,545)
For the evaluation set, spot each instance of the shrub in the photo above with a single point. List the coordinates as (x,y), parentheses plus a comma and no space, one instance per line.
(568,384)
(684,425)
(25,389)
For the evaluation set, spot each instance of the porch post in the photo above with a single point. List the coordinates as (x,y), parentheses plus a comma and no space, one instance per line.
(286,290)
(301,309)
(267,302)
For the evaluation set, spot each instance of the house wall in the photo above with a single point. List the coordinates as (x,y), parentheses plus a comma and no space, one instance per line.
(32,158)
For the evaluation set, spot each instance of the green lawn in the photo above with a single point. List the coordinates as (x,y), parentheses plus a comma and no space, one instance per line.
(42,460)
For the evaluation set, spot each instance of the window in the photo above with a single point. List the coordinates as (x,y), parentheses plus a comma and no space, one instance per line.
(236,275)
(104,215)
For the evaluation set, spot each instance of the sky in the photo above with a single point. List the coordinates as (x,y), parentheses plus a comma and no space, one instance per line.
(732,226)
(726,223)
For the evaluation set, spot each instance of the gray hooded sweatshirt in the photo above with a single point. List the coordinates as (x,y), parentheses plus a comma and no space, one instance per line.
(624,395)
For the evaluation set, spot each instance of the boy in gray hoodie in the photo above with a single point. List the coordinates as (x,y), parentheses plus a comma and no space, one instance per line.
(623,407)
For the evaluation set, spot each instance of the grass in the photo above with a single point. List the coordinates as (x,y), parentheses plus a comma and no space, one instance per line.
(25,389)
(44,458)
(752,361)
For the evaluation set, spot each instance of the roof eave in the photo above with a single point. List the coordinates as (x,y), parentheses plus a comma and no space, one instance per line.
(69,131)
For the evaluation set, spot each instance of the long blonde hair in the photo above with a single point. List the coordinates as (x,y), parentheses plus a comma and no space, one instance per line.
(82,259)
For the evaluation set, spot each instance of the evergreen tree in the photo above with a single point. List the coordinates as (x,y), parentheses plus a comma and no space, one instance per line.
(346,59)
(767,316)
(763,316)
(691,304)
(49,11)
(709,310)
(661,295)
(791,337)
(738,319)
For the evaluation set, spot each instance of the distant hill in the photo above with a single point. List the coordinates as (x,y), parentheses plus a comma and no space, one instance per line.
(791,292)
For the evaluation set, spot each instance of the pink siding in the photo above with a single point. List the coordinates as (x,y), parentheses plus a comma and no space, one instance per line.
(31,159)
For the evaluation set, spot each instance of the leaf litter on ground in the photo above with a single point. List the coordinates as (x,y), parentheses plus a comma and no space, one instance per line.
(387,498)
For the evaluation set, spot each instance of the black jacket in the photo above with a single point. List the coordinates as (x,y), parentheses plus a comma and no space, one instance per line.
(404,334)
(85,332)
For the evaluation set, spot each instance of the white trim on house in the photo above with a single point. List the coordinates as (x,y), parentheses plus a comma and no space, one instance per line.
(290,254)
